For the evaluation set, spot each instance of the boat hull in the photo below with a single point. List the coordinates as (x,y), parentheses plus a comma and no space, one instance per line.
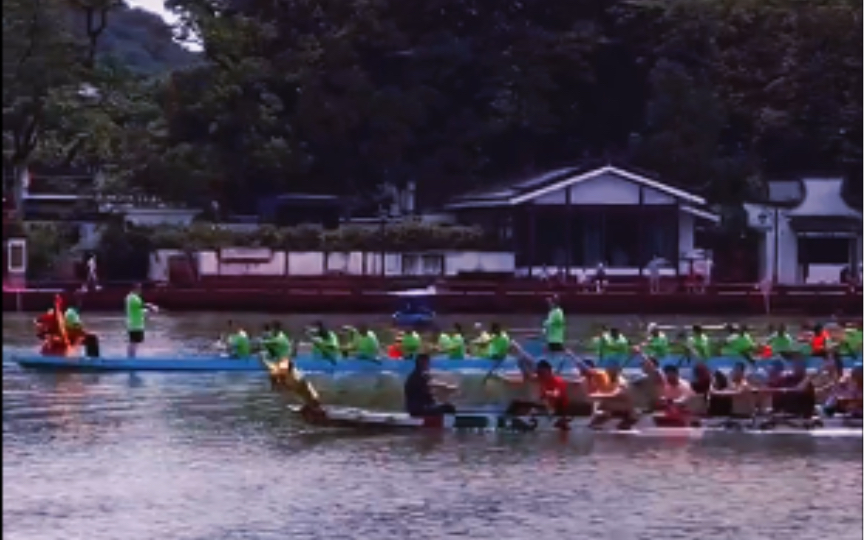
(497,422)
(306,364)
(311,364)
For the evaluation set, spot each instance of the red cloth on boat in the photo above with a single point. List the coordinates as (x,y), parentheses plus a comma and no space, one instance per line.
(54,346)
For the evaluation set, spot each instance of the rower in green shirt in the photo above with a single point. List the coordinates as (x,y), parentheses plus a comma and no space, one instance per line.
(738,342)
(363,343)
(499,343)
(657,345)
(698,344)
(457,344)
(238,344)
(444,343)
(480,344)
(599,341)
(852,340)
(325,343)
(411,343)
(613,344)
(781,342)
(554,327)
(279,345)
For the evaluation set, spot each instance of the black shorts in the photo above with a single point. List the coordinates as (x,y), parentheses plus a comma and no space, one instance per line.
(555,347)
(136,336)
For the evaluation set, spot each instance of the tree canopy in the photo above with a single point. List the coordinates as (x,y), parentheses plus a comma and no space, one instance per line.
(340,96)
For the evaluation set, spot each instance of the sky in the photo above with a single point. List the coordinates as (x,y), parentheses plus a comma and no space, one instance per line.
(156,6)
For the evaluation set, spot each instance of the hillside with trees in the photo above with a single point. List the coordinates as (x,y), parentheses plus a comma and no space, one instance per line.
(339,96)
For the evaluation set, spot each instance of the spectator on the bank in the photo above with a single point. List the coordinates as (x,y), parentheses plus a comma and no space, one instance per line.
(91,280)
(654,274)
(600,280)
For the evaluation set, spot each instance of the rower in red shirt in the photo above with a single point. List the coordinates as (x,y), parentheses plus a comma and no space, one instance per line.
(553,389)
(820,341)
(553,392)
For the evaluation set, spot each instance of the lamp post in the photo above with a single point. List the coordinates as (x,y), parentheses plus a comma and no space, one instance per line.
(776,273)
(383,214)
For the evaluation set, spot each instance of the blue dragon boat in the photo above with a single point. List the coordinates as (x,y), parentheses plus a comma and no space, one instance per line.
(311,364)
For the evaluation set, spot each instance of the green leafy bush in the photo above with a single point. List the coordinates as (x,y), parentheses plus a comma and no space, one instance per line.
(47,244)
(402,237)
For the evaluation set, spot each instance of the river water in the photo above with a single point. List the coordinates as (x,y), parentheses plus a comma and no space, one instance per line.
(214,457)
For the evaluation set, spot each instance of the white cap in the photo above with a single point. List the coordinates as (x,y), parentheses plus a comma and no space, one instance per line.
(478,326)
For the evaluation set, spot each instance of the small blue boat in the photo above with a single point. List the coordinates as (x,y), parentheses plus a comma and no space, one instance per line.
(415,312)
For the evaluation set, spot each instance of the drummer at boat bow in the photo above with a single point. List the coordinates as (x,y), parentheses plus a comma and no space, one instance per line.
(285,376)
(419,391)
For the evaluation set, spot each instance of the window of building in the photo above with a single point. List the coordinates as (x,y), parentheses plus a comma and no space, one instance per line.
(823,250)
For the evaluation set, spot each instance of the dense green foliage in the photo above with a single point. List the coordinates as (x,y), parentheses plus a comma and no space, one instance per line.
(342,95)
(407,236)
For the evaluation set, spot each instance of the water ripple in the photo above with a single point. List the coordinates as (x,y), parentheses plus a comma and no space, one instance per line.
(215,458)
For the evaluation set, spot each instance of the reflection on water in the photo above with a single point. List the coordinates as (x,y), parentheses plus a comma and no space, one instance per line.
(214,457)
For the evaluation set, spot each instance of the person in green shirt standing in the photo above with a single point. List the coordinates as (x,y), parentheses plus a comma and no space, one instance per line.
(554,327)
(136,313)
(499,343)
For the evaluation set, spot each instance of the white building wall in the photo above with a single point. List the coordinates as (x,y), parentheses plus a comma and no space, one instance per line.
(686,239)
(312,263)
(605,189)
(150,217)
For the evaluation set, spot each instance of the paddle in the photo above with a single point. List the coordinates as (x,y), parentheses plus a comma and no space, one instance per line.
(498,363)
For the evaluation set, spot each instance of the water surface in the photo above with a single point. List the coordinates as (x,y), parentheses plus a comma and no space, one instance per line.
(214,457)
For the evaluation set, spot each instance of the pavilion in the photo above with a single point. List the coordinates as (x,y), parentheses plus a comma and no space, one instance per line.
(573,218)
